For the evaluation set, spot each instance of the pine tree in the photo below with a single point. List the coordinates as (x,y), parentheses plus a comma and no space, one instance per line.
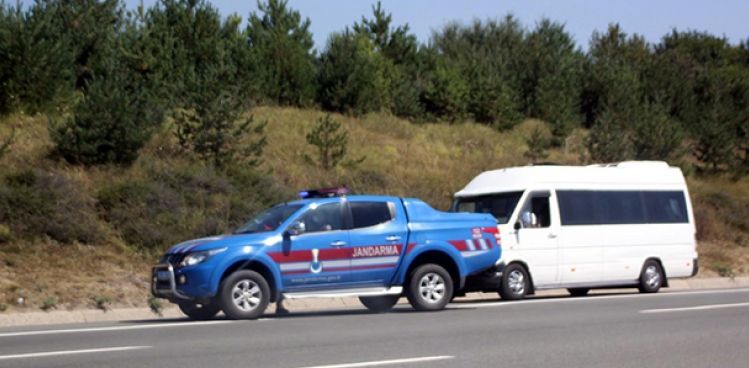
(353,77)
(282,44)
(329,140)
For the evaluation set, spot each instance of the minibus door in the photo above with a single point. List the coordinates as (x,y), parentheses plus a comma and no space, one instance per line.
(536,233)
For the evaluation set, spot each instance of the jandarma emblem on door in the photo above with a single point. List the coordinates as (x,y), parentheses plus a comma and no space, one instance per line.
(316,265)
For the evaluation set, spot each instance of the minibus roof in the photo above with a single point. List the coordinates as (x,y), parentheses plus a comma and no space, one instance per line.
(623,175)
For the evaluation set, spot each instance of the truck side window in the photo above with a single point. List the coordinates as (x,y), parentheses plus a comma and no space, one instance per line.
(538,206)
(326,217)
(365,214)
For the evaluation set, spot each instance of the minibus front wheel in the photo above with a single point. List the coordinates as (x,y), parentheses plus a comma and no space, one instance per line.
(515,283)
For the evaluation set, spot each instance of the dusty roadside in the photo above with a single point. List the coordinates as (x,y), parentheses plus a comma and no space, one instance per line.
(307,305)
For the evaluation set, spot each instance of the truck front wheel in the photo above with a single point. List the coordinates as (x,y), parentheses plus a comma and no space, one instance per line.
(244,295)
(379,304)
(429,288)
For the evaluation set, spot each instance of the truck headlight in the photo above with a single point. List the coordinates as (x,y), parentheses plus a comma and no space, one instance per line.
(195,258)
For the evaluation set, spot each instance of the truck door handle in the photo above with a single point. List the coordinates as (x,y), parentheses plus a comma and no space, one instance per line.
(552,236)
(338,243)
(393,238)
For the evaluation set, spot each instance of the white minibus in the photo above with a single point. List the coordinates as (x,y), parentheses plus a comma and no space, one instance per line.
(627,224)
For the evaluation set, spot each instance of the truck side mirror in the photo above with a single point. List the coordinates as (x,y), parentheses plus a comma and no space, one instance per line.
(297,228)
(517,226)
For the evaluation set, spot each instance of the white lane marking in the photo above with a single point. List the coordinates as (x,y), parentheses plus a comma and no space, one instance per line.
(110,328)
(699,307)
(378,363)
(71,352)
(563,299)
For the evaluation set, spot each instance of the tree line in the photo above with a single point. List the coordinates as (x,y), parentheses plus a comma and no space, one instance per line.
(108,77)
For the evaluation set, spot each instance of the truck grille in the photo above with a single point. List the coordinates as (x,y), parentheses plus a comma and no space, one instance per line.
(173,259)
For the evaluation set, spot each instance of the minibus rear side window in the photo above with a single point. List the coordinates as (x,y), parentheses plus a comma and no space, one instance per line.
(578,207)
(665,207)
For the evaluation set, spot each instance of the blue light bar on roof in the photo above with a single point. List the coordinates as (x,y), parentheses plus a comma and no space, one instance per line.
(324,192)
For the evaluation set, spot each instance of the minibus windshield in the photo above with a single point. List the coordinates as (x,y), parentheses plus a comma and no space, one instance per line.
(501,205)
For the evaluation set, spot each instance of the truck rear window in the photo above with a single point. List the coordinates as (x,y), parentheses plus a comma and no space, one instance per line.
(367,214)
(500,205)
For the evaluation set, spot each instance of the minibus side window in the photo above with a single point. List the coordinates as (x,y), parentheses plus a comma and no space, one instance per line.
(537,206)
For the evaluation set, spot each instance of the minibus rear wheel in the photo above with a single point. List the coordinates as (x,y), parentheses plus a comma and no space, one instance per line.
(651,277)
(515,282)
(578,291)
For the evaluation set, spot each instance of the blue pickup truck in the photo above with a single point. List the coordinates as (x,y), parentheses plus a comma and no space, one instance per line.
(377,248)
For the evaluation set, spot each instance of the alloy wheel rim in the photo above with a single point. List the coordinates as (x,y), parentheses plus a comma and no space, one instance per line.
(652,276)
(516,282)
(246,295)
(432,287)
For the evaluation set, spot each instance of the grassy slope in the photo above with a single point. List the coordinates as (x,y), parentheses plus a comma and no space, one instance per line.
(429,161)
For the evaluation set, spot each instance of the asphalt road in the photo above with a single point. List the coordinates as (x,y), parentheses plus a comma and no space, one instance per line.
(681,329)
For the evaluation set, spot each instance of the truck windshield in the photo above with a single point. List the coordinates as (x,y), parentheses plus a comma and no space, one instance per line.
(501,205)
(269,220)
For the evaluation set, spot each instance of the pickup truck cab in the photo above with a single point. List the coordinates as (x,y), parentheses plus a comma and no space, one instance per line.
(377,248)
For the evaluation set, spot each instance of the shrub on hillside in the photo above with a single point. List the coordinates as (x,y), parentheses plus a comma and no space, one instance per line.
(329,141)
(176,203)
(110,125)
(36,203)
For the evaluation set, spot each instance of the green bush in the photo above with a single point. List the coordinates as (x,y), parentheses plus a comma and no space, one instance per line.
(49,303)
(36,203)
(354,77)
(110,125)
(329,141)
(180,202)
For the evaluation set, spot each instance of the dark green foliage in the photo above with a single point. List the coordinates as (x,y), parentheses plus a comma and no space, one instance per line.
(37,203)
(538,142)
(183,201)
(216,132)
(484,56)
(446,94)
(111,123)
(354,77)
(214,127)
(281,44)
(608,140)
(81,61)
(183,44)
(656,135)
(329,141)
(552,82)
(399,48)
(35,67)
(6,143)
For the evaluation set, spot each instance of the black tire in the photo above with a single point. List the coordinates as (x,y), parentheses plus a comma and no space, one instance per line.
(379,304)
(429,288)
(515,282)
(651,277)
(251,292)
(578,291)
(199,312)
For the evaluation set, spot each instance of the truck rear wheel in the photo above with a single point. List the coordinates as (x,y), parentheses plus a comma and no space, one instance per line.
(200,312)
(430,288)
(379,304)
(244,295)
(515,282)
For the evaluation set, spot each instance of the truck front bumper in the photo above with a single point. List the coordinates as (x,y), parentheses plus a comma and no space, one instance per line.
(164,284)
